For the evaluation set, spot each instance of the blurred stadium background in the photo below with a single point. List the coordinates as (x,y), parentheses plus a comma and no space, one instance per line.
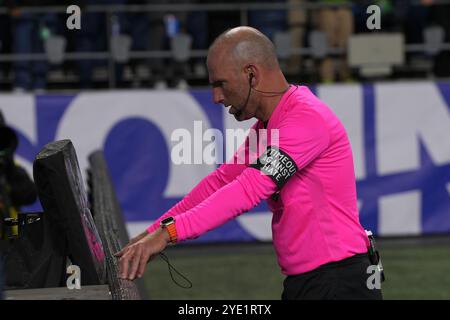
(135,72)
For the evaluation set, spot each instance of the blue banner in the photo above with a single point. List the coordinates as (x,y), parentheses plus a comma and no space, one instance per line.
(400,135)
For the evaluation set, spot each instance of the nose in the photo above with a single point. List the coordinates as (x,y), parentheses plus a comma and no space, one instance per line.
(218,95)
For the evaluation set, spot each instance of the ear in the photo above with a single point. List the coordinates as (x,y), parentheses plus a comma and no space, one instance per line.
(252,74)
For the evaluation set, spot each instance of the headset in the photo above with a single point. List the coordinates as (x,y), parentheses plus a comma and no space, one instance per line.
(250,87)
(250,78)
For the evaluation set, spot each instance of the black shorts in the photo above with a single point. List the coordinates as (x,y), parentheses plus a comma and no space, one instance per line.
(341,280)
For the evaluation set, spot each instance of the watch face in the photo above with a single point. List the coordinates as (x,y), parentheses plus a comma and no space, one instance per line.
(167,221)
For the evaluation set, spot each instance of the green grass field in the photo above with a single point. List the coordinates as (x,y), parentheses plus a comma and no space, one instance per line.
(414,270)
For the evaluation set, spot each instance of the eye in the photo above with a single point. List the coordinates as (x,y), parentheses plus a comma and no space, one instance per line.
(218,84)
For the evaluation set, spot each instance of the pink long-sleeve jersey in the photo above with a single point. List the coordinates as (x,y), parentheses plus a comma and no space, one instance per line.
(315,216)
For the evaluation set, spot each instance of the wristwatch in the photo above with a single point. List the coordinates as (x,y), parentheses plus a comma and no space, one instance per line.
(169,224)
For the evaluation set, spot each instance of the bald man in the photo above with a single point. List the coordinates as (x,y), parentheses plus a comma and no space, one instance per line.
(306,177)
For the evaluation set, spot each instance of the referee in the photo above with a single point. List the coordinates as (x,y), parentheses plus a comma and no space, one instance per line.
(307,179)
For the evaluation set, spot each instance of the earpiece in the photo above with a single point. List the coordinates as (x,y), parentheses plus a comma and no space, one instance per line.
(250,78)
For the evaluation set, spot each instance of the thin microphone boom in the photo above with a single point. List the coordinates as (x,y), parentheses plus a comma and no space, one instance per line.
(239,112)
(271,93)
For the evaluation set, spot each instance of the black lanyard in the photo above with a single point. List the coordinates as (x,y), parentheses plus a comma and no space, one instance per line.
(170,267)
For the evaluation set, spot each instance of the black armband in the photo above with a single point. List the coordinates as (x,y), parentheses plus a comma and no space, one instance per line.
(276,164)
